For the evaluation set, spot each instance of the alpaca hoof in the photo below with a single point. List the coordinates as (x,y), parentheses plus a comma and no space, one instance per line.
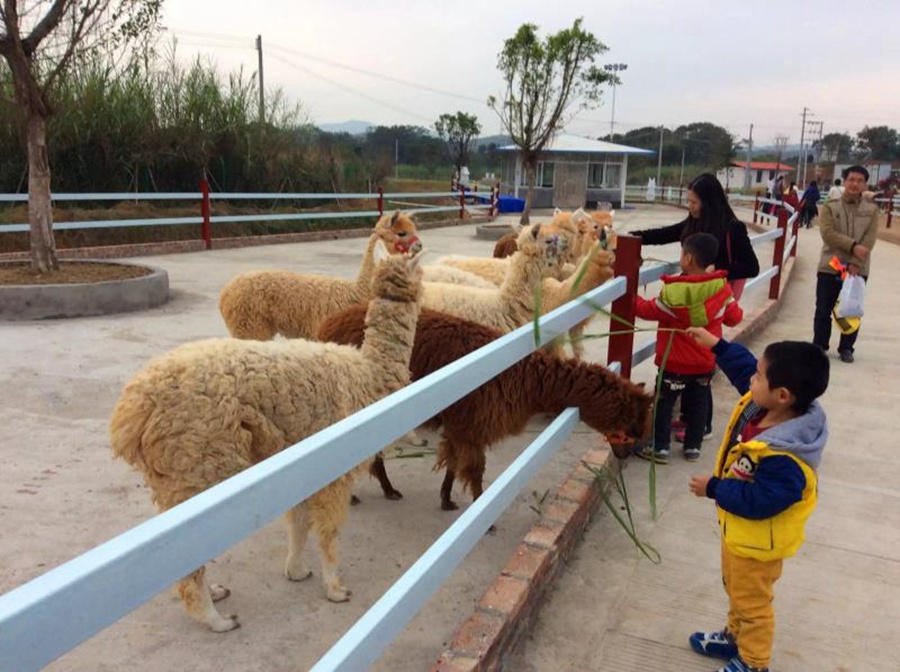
(296,571)
(225,623)
(354,500)
(218,592)
(449,505)
(393,495)
(339,594)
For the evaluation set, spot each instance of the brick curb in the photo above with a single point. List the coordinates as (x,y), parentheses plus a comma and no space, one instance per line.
(510,605)
(180,246)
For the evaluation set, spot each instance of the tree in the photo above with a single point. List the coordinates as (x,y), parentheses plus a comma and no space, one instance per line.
(40,40)
(458,131)
(544,79)
(835,147)
(879,142)
(707,144)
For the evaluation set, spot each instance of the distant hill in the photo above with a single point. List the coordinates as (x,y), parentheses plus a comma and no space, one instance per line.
(353,127)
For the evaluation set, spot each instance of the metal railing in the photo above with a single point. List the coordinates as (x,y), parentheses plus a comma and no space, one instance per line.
(465,201)
(83,596)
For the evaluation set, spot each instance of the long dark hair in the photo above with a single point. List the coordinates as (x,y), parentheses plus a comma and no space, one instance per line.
(716,214)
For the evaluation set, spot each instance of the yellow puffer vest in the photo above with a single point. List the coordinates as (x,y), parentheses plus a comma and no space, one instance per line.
(770,538)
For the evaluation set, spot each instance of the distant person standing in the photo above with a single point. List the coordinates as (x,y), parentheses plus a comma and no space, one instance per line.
(810,204)
(849,228)
(836,190)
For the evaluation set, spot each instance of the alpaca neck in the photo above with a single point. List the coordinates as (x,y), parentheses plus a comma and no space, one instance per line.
(388,339)
(367,267)
(522,278)
(594,274)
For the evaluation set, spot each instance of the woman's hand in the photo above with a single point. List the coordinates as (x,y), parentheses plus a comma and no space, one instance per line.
(703,337)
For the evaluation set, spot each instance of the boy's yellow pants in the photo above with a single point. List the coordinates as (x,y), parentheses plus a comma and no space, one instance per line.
(751,618)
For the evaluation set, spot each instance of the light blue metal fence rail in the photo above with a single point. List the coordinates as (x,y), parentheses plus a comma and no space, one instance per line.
(464,202)
(55,612)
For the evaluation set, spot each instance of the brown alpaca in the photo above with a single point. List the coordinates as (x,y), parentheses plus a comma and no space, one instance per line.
(540,383)
(208,410)
(506,246)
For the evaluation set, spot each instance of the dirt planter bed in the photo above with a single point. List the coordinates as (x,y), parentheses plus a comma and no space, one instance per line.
(81,299)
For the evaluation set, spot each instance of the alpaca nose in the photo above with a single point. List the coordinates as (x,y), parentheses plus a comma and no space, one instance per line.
(416,246)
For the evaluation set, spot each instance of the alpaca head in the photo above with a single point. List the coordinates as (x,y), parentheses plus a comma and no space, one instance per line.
(618,406)
(603,228)
(398,233)
(397,276)
(539,241)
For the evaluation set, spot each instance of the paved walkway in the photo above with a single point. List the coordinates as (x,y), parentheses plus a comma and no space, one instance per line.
(838,603)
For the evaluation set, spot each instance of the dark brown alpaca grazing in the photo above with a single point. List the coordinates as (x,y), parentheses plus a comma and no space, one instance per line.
(540,383)
(506,246)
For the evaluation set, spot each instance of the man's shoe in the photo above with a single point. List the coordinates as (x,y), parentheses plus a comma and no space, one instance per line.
(846,356)
(714,644)
(737,664)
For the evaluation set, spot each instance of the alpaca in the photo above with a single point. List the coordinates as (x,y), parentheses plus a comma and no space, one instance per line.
(262,304)
(501,407)
(208,410)
(455,276)
(589,228)
(510,306)
(506,245)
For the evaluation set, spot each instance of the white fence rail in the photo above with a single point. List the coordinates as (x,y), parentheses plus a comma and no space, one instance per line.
(50,615)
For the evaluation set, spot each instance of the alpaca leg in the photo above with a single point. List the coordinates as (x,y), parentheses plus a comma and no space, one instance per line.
(328,513)
(414,439)
(198,599)
(378,471)
(297,519)
(447,504)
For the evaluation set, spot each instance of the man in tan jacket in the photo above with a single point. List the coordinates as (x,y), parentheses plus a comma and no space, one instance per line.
(849,228)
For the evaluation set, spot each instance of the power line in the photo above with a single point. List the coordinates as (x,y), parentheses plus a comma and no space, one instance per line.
(348,89)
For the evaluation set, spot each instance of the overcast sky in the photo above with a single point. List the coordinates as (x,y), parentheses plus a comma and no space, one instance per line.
(730,63)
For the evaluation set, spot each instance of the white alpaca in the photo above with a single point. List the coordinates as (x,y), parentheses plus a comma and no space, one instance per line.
(512,304)
(262,304)
(208,410)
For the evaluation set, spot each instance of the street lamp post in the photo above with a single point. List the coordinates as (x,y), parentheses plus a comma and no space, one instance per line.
(615,69)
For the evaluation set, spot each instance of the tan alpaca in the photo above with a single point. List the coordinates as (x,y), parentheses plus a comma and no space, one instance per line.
(262,304)
(208,410)
(512,304)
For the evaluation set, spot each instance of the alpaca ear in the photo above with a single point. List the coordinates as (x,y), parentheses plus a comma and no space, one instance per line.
(535,231)
(380,253)
(612,213)
(557,212)
(579,215)
(395,217)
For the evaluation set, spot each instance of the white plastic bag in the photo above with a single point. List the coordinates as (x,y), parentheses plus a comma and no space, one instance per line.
(850,300)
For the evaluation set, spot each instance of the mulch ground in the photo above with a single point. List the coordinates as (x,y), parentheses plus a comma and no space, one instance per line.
(69,273)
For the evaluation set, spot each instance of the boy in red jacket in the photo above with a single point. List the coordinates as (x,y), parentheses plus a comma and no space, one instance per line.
(695,298)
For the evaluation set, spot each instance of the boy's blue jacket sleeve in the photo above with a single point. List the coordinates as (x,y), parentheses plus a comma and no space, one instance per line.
(778,483)
(737,362)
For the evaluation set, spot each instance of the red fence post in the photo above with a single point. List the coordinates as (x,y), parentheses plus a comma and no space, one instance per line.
(778,255)
(205,225)
(890,206)
(795,233)
(495,190)
(628,264)
(462,202)
(381,201)
(755,207)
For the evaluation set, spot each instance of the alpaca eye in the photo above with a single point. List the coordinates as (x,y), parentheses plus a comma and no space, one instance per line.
(402,234)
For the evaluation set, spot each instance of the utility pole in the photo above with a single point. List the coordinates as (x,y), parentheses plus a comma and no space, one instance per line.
(749,160)
(659,163)
(780,145)
(262,88)
(802,155)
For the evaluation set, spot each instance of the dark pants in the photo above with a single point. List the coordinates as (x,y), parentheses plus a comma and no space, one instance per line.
(695,397)
(828,288)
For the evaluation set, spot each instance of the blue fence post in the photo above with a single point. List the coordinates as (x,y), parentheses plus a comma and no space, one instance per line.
(381,201)
(205,226)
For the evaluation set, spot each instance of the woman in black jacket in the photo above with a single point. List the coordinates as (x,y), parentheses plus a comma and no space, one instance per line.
(709,212)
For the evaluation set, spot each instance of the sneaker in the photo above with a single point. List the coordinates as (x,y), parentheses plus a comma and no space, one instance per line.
(737,664)
(679,435)
(647,453)
(692,454)
(714,644)
(846,356)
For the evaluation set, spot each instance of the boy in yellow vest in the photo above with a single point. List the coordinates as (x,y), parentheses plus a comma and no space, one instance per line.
(764,486)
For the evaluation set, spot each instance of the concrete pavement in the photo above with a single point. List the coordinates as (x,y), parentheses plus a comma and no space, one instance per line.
(838,602)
